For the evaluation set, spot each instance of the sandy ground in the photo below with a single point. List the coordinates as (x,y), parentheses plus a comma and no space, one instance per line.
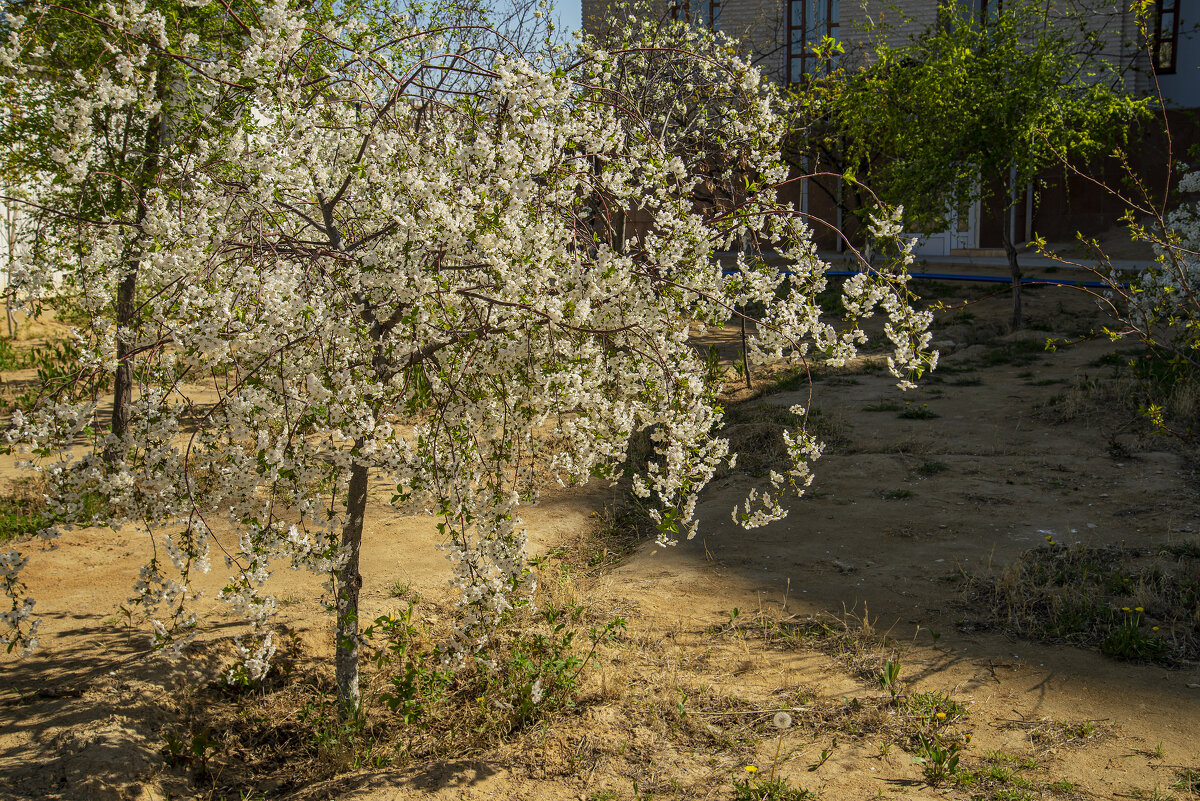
(877,542)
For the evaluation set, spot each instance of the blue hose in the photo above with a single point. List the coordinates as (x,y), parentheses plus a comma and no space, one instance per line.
(987,279)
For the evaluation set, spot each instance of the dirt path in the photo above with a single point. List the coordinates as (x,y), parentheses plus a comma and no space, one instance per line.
(1000,450)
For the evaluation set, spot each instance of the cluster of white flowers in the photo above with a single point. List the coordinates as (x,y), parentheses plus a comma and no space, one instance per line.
(18,618)
(380,267)
(1165,299)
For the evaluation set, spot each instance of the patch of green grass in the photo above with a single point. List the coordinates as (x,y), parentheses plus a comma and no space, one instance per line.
(883,406)
(22,511)
(1000,777)
(932,468)
(1187,780)
(966,381)
(896,494)
(777,789)
(928,705)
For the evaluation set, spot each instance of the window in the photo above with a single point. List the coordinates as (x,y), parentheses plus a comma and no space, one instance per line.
(681,9)
(809,21)
(1166,36)
(714,14)
(990,8)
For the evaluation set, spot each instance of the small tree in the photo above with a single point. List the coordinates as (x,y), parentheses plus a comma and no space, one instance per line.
(401,262)
(978,109)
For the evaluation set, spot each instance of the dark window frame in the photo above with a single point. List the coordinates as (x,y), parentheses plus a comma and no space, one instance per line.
(799,50)
(714,13)
(1165,64)
(681,9)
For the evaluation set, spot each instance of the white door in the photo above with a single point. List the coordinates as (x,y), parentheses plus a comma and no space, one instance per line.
(961,232)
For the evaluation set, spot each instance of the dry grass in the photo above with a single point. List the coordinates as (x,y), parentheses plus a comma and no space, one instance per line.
(1141,604)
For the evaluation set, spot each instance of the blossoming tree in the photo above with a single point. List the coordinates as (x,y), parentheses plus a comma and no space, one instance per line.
(400,260)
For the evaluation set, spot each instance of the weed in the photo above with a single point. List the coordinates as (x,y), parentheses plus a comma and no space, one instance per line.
(921,412)
(933,707)
(776,789)
(883,406)
(826,753)
(932,468)
(889,678)
(1187,780)
(22,510)
(413,707)
(1048,734)
(896,494)
(190,748)
(1099,597)
(939,761)
(1130,641)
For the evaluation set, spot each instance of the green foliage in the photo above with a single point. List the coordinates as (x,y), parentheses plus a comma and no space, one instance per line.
(939,761)
(22,511)
(416,680)
(942,121)
(1131,603)
(533,673)
(921,412)
(1130,640)
(775,789)
(929,705)
(889,677)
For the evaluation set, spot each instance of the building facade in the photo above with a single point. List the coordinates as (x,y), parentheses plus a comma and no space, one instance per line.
(779,36)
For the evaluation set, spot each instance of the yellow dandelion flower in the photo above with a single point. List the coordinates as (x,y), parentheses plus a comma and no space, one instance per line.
(1154,628)
(751,769)
(1138,609)
(1124,608)
(941,715)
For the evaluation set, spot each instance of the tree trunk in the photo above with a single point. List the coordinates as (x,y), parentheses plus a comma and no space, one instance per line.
(1010,250)
(349,583)
(127,289)
(745,354)
(123,380)
(1018,320)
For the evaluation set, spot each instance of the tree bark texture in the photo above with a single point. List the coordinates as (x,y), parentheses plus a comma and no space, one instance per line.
(1010,250)
(349,583)
(126,305)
